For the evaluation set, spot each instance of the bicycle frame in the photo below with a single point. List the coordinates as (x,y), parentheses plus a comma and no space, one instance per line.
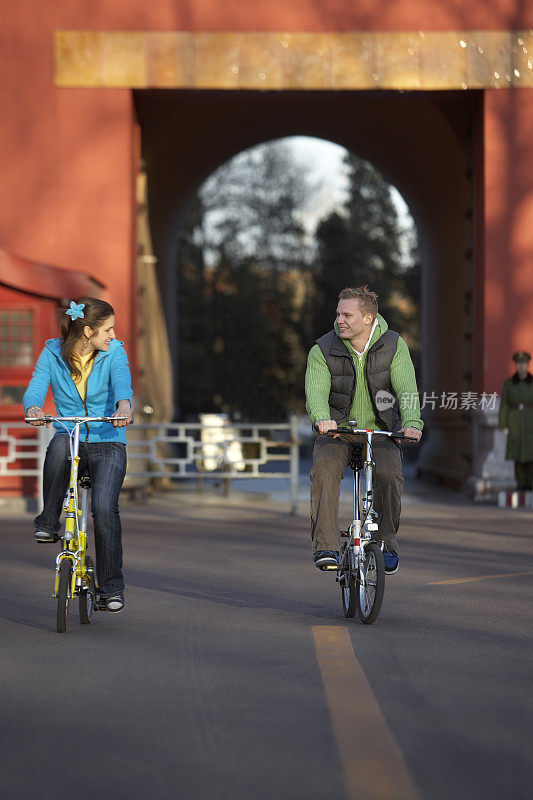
(363,527)
(363,520)
(361,565)
(74,538)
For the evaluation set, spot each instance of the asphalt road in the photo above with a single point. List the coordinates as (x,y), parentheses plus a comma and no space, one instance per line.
(225,675)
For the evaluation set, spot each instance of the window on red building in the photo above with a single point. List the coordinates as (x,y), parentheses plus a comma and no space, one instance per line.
(16,338)
(16,353)
(24,325)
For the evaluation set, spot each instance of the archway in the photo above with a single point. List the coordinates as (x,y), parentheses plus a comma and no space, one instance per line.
(269,238)
(427,144)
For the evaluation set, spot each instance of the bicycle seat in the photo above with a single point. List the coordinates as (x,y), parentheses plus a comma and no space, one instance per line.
(356,461)
(85,479)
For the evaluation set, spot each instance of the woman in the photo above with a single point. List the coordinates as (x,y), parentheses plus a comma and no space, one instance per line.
(88,372)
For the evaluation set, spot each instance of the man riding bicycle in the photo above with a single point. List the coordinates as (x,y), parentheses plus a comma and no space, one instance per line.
(358,371)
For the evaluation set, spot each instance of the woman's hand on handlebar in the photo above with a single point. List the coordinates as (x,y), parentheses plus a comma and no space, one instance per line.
(37,414)
(411,433)
(123,410)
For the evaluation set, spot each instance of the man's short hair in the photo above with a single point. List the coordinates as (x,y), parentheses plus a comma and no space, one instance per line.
(368,301)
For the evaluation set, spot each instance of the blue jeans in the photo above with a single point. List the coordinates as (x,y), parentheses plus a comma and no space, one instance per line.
(106,463)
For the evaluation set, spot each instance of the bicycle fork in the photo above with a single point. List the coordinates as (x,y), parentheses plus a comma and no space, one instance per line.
(74,540)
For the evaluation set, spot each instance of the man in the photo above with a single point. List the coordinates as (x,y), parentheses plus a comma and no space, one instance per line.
(360,370)
(516,418)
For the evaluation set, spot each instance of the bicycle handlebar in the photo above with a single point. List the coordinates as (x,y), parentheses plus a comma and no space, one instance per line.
(48,418)
(365,431)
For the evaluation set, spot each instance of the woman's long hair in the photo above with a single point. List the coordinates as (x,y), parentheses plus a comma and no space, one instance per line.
(94,314)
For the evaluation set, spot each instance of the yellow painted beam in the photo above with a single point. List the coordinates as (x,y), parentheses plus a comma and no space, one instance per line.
(414,60)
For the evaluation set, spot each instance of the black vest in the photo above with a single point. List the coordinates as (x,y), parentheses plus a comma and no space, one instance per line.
(378,361)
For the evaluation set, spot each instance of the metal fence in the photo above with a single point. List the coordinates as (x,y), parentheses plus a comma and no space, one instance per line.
(174,451)
(22,446)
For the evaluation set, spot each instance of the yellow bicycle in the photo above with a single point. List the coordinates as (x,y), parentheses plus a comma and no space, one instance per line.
(75,573)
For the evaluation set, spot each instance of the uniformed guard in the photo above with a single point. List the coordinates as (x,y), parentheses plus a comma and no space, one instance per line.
(516,418)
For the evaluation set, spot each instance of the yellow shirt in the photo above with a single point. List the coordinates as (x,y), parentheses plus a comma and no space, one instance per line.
(85,365)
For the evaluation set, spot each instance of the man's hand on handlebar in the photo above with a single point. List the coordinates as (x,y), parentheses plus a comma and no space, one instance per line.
(411,433)
(325,425)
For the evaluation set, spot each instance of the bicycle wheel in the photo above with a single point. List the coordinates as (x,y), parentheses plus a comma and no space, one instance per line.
(369,595)
(88,594)
(65,577)
(348,591)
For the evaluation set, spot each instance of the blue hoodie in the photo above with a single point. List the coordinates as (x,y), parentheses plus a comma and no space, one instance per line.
(108,382)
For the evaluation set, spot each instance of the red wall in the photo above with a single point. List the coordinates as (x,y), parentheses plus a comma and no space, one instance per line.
(67,154)
(508,285)
(66,159)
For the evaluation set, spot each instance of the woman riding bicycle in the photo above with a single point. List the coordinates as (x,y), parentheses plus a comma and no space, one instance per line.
(88,372)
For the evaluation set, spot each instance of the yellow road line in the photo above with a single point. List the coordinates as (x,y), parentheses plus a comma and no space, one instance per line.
(479,578)
(373,765)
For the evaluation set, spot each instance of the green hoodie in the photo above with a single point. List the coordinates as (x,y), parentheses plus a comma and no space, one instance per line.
(403,380)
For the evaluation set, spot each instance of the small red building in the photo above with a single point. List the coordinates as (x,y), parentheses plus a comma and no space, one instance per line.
(30,294)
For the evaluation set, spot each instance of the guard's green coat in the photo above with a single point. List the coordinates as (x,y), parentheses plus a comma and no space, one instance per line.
(519,422)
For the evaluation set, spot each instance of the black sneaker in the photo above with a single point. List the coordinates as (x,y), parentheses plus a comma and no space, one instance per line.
(326,559)
(392,562)
(114,603)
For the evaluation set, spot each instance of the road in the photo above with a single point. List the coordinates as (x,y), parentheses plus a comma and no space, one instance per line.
(232,672)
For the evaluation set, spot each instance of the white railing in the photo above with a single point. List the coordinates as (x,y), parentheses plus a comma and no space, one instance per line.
(178,450)
(16,451)
(226,451)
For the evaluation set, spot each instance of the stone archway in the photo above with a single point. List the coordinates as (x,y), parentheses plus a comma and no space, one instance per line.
(431,163)
(355,89)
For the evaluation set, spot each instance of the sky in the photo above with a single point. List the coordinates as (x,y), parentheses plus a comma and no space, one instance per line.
(324,160)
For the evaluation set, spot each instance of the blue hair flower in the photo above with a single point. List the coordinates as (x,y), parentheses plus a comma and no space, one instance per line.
(75,311)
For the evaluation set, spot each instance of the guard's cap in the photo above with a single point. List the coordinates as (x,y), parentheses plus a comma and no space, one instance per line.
(521,356)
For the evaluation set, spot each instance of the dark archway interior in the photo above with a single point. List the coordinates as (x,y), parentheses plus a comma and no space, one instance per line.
(426,144)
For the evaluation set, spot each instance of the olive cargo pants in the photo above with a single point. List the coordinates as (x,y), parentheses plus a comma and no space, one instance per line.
(330,459)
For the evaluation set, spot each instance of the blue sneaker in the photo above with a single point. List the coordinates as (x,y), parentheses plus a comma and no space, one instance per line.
(326,559)
(392,562)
